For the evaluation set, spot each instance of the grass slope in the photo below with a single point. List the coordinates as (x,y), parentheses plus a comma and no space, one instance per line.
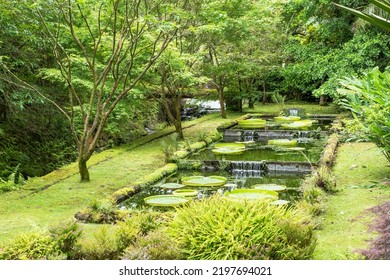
(344,228)
(56,197)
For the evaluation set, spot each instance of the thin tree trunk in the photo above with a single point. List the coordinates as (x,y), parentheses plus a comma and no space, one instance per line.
(83,170)
(264,94)
(222,101)
(322,100)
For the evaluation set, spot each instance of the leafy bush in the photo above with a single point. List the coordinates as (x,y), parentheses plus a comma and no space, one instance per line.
(31,246)
(59,243)
(379,248)
(369,101)
(157,245)
(324,179)
(66,237)
(137,225)
(219,228)
(103,246)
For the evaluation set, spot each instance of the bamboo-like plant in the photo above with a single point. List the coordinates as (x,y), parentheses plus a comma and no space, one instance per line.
(373,18)
(369,101)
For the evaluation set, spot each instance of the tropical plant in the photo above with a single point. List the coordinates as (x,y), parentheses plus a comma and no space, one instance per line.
(369,101)
(220,228)
(378,16)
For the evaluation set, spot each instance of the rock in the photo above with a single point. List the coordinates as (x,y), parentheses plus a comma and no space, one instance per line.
(353,166)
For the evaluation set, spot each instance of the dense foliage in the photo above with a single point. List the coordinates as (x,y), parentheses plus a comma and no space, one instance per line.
(369,101)
(224,229)
(73,80)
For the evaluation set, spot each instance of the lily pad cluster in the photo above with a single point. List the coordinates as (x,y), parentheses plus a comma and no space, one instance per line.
(228,148)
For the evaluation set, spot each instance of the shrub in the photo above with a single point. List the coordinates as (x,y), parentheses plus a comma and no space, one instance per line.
(157,245)
(103,246)
(31,246)
(379,248)
(66,236)
(325,180)
(369,101)
(138,224)
(219,228)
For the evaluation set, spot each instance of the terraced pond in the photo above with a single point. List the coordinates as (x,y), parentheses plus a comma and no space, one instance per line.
(254,153)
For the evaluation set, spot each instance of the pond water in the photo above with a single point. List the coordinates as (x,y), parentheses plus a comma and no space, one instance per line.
(291,181)
(247,165)
(258,151)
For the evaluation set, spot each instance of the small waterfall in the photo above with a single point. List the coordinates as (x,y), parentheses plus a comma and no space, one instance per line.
(248,135)
(293,112)
(296,112)
(254,169)
(303,134)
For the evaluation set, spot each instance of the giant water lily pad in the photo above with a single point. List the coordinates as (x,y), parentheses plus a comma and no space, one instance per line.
(295,149)
(298,124)
(201,181)
(252,123)
(287,119)
(230,145)
(228,151)
(185,192)
(228,148)
(166,200)
(252,194)
(171,186)
(283,142)
(270,187)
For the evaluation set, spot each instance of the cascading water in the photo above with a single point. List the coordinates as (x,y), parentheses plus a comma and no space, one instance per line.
(248,135)
(254,169)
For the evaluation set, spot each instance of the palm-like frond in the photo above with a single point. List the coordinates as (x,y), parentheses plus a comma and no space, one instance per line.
(372,18)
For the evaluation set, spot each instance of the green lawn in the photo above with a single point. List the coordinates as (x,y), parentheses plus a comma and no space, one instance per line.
(344,226)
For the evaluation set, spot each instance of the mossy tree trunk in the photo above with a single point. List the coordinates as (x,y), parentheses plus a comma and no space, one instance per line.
(83,170)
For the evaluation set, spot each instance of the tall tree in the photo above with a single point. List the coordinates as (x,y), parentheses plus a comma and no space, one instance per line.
(103,51)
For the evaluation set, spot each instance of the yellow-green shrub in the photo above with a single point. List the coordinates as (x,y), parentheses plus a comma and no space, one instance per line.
(223,229)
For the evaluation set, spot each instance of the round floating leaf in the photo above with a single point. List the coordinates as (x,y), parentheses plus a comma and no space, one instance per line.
(287,119)
(252,123)
(252,194)
(295,149)
(185,192)
(270,187)
(171,186)
(201,181)
(228,148)
(280,202)
(230,145)
(298,124)
(283,142)
(228,151)
(165,200)
(231,185)
(245,142)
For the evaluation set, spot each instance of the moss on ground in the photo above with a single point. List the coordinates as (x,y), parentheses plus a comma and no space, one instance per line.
(359,168)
